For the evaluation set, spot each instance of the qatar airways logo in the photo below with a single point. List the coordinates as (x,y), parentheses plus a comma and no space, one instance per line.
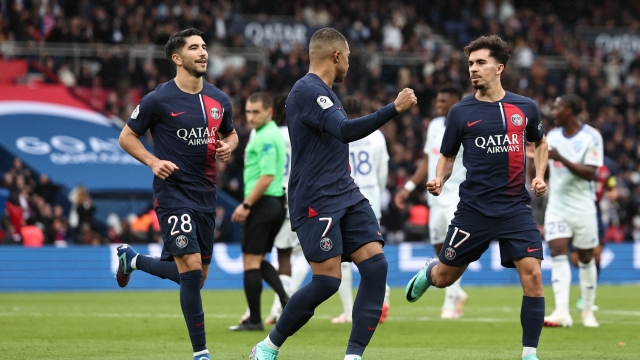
(498,143)
(198,135)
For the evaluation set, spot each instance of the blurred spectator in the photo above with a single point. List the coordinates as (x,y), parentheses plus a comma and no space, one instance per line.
(32,235)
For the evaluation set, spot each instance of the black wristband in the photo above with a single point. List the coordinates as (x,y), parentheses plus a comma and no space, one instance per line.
(246,206)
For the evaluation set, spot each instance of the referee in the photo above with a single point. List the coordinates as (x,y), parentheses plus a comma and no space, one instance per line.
(263,209)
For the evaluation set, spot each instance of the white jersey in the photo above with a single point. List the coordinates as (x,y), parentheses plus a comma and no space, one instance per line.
(369,162)
(569,193)
(449,195)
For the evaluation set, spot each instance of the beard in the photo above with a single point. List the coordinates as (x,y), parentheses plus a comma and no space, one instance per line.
(194,71)
(477,86)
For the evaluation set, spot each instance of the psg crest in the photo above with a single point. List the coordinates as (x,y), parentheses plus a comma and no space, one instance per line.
(215,113)
(181,241)
(450,253)
(326,244)
(516,119)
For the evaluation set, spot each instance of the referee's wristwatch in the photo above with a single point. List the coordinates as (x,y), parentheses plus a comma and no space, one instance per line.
(246,206)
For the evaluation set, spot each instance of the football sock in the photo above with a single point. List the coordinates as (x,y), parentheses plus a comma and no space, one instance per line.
(387,295)
(526,351)
(299,270)
(270,275)
(191,304)
(429,268)
(532,319)
(451,294)
(345,291)
(368,306)
(561,281)
(157,267)
(276,307)
(286,283)
(588,284)
(302,305)
(253,290)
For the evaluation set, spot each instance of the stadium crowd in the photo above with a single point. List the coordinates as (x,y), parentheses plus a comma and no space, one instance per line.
(537,33)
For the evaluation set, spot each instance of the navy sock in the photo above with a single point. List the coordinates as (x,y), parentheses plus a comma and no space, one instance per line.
(157,267)
(271,276)
(431,265)
(302,305)
(368,305)
(532,319)
(253,290)
(191,304)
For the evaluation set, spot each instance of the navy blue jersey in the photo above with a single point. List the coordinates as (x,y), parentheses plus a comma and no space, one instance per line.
(185,128)
(493,136)
(320,179)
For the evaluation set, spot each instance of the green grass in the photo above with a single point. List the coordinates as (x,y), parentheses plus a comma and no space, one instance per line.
(149,325)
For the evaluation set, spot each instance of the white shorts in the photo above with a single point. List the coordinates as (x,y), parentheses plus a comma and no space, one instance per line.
(286,238)
(583,230)
(439,219)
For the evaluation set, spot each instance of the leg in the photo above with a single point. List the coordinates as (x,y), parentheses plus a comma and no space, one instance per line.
(560,281)
(532,311)
(367,308)
(346,295)
(588,285)
(252,291)
(190,269)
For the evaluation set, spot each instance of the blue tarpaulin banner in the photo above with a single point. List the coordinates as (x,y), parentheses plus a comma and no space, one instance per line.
(82,268)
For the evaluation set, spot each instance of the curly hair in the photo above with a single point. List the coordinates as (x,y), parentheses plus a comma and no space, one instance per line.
(498,48)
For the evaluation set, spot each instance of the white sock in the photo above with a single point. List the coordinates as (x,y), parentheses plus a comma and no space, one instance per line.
(346,288)
(352,357)
(526,351)
(561,281)
(588,284)
(451,294)
(205,351)
(299,270)
(270,344)
(387,295)
(286,283)
(134,261)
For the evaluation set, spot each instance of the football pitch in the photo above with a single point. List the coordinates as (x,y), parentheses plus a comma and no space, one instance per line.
(149,325)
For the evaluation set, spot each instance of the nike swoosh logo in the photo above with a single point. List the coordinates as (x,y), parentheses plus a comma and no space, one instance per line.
(529,249)
(371,328)
(469,124)
(176,114)
(200,324)
(409,298)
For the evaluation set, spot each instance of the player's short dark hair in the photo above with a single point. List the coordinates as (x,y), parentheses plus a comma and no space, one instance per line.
(352,106)
(498,48)
(178,40)
(264,98)
(451,89)
(573,102)
(326,36)
(279,109)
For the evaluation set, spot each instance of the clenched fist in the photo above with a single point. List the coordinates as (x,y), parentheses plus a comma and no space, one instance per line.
(406,100)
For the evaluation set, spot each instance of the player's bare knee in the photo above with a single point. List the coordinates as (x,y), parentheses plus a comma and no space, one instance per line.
(585,256)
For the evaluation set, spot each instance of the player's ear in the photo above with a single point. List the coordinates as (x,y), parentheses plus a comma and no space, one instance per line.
(177,60)
(500,68)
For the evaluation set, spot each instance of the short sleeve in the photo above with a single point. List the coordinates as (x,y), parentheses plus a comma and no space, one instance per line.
(595,152)
(315,105)
(534,123)
(143,116)
(226,125)
(268,157)
(452,138)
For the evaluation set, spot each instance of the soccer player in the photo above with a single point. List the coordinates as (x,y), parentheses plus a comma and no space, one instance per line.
(191,124)
(292,266)
(334,222)
(444,206)
(262,211)
(575,154)
(369,164)
(492,125)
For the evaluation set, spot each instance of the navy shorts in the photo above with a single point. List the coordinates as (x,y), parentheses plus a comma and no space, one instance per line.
(471,233)
(185,231)
(339,233)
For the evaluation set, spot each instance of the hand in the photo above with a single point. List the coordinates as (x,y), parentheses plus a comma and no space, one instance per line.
(554,154)
(163,168)
(400,198)
(240,214)
(406,100)
(434,186)
(223,150)
(539,186)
